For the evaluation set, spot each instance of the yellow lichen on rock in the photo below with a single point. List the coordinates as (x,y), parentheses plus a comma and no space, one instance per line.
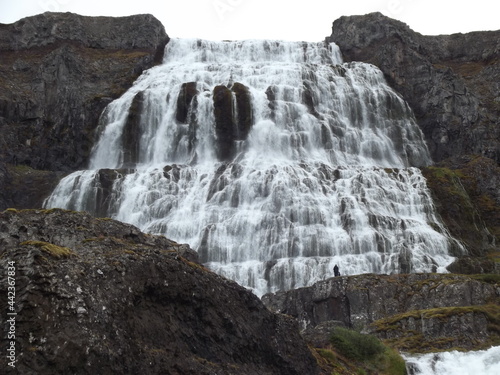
(54,250)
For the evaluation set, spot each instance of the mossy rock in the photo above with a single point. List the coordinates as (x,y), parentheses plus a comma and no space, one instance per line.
(51,249)
(457,208)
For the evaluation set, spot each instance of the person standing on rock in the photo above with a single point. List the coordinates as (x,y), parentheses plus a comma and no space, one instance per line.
(336,270)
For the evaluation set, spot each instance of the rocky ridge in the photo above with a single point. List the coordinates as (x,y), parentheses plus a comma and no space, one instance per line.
(415,312)
(96,296)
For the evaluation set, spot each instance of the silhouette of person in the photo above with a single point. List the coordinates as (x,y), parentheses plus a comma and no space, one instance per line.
(336,270)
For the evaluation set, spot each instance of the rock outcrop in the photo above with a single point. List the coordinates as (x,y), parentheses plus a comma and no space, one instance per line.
(420,312)
(450,81)
(233,118)
(57,73)
(96,296)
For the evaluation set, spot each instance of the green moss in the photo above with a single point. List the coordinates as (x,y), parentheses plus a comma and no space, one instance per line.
(487,278)
(51,249)
(414,341)
(491,310)
(328,355)
(352,352)
(494,256)
(355,345)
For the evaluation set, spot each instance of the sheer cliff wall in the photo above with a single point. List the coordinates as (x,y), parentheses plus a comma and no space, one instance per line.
(57,73)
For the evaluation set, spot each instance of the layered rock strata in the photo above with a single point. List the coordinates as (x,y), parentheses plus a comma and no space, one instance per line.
(419,312)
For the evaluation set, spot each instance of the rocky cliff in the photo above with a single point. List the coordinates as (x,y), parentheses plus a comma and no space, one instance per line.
(450,81)
(57,73)
(93,295)
(417,312)
(96,296)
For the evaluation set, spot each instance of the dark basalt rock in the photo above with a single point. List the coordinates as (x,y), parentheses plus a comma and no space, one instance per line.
(96,296)
(423,312)
(58,72)
(187,93)
(244,110)
(467,198)
(224,122)
(233,119)
(132,131)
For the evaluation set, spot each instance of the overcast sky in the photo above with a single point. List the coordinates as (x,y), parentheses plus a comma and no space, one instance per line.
(309,20)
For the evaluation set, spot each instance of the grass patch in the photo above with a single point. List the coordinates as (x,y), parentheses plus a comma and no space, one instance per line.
(365,352)
(489,278)
(354,345)
(51,249)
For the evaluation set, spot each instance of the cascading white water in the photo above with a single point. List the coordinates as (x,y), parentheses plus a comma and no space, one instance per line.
(483,362)
(325,175)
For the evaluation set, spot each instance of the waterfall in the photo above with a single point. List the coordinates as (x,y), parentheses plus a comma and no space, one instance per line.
(484,362)
(274,160)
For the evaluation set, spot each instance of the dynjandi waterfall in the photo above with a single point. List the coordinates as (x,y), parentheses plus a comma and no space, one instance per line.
(273,159)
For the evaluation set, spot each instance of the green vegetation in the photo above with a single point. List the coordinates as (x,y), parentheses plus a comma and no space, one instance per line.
(414,341)
(487,278)
(352,352)
(51,249)
(354,345)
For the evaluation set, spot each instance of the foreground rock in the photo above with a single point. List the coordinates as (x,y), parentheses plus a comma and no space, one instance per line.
(417,312)
(95,296)
(57,73)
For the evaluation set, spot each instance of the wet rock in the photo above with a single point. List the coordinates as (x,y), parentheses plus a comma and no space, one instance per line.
(132,131)
(233,118)
(187,93)
(224,122)
(244,110)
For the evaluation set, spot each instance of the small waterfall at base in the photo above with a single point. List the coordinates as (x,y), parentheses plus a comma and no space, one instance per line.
(484,362)
(274,160)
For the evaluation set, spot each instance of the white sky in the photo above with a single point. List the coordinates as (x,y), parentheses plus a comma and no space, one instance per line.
(309,20)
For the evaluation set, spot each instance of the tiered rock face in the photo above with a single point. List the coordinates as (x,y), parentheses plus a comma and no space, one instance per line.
(422,312)
(450,81)
(96,296)
(57,73)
